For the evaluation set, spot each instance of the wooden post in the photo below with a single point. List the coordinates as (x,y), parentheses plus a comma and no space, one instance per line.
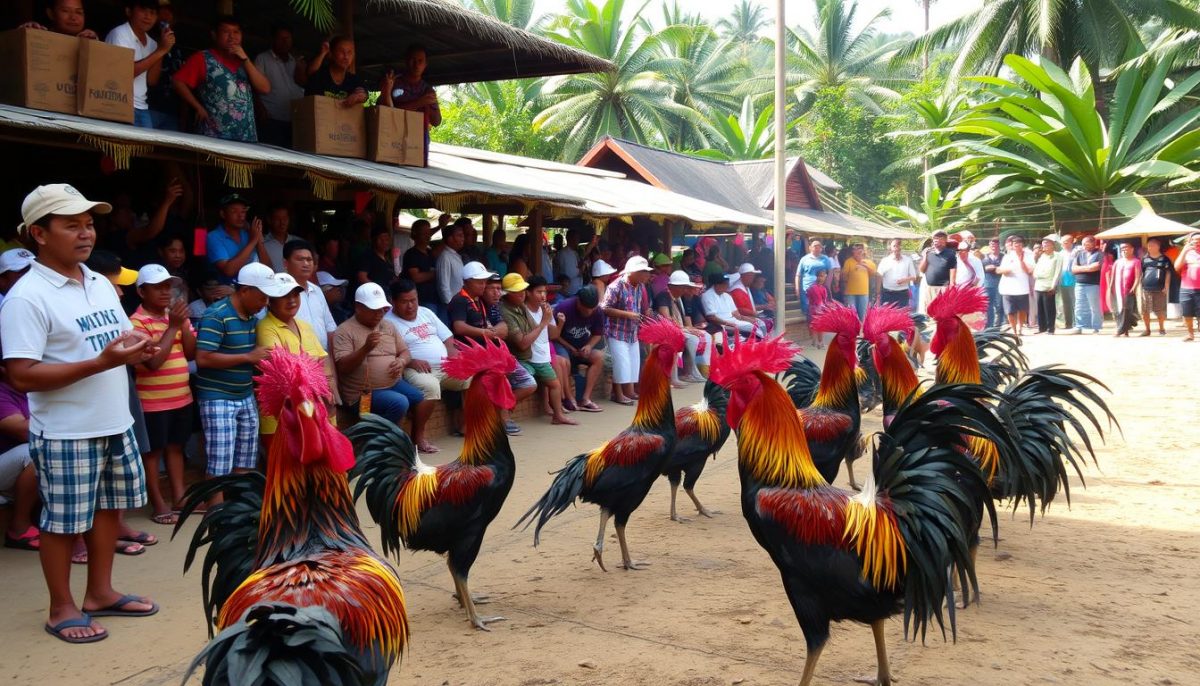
(666,237)
(488,227)
(536,236)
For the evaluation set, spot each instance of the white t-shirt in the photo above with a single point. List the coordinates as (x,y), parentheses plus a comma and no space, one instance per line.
(539,353)
(124,36)
(425,336)
(719,305)
(891,270)
(284,89)
(315,310)
(1016,283)
(50,318)
(973,274)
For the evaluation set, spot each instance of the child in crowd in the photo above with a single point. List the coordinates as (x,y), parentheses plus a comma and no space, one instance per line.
(162,384)
(817,295)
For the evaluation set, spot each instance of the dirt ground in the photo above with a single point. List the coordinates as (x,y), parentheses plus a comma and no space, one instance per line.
(1102,593)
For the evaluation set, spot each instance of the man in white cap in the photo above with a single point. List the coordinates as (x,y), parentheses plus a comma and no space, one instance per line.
(334,290)
(721,312)
(371,357)
(625,303)
(739,290)
(227,351)
(603,274)
(698,348)
(67,342)
(13,265)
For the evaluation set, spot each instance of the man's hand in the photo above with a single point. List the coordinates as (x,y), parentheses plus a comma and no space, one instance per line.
(324,48)
(177,314)
(239,52)
(396,367)
(585,351)
(174,190)
(127,348)
(372,341)
(420,366)
(256,230)
(89,34)
(257,355)
(389,80)
(560,318)
(201,115)
(167,41)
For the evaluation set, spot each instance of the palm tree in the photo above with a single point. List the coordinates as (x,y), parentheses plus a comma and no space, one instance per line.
(518,13)
(745,23)
(935,116)
(835,56)
(746,136)
(935,211)
(1104,33)
(704,72)
(632,101)
(925,4)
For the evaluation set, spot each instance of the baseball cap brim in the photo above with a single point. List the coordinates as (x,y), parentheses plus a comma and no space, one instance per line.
(74,207)
(126,277)
(152,281)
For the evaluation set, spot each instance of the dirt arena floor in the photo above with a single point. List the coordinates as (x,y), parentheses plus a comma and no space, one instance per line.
(1102,593)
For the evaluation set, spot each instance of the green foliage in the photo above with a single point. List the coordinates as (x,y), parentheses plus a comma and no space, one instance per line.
(935,211)
(748,136)
(495,116)
(842,138)
(319,12)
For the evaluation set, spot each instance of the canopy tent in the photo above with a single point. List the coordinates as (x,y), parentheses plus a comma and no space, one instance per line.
(1144,224)
(821,223)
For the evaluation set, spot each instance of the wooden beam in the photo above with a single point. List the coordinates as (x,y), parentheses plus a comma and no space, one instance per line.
(536,236)
(488,226)
(224,6)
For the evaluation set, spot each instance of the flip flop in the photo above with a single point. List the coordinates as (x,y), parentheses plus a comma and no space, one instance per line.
(590,406)
(623,401)
(143,537)
(165,518)
(429,448)
(75,623)
(129,547)
(569,405)
(30,540)
(115,610)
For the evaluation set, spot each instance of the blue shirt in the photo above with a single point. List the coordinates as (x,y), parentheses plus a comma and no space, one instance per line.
(223,330)
(219,247)
(808,268)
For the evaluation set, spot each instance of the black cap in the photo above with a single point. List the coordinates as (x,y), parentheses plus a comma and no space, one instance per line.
(588,296)
(232,198)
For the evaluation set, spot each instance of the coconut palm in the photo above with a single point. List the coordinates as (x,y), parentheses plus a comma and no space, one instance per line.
(1044,136)
(518,13)
(745,23)
(704,72)
(748,135)
(936,212)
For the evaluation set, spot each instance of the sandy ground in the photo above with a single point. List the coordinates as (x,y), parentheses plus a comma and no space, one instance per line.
(1101,593)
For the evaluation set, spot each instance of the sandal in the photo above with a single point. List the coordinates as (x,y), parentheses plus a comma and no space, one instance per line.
(623,401)
(589,406)
(165,518)
(125,547)
(75,623)
(30,540)
(569,405)
(117,608)
(140,537)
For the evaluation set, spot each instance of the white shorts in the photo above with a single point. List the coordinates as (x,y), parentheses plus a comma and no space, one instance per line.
(432,383)
(626,360)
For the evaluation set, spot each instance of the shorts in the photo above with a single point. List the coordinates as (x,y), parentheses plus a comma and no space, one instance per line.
(433,382)
(76,477)
(1015,303)
(1189,302)
(520,378)
(542,371)
(12,462)
(1154,302)
(230,434)
(573,359)
(169,427)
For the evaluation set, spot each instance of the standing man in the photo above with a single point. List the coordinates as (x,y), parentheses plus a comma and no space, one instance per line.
(1067,257)
(566,263)
(279,220)
(409,91)
(806,272)
(1047,274)
(991,283)
(234,243)
(625,305)
(1086,267)
(300,261)
(450,264)
(1188,266)
(897,272)
(1156,283)
(287,75)
(1014,271)
(857,274)
(420,267)
(940,267)
(66,343)
(147,53)
(219,85)
(1127,277)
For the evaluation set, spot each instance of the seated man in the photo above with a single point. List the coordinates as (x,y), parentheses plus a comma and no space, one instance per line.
(334,290)
(531,325)
(671,303)
(18,479)
(720,310)
(581,331)
(429,342)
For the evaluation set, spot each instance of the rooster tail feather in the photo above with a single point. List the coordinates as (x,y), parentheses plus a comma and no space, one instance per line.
(230,530)
(1046,406)
(566,487)
(801,380)
(1001,360)
(279,645)
(385,458)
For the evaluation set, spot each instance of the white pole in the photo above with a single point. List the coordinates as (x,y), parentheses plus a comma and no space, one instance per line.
(780,169)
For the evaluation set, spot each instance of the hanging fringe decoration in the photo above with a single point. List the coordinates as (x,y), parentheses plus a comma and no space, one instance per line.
(385,202)
(453,203)
(323,187)
(120,152)
(238,174)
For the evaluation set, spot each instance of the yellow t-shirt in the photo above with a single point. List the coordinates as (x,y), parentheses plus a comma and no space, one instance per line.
(858,281)
(272,333)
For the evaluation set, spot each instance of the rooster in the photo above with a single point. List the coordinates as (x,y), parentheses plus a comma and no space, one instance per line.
(292,565)
(444,509)
(867,556)
(700,432)
(618,475)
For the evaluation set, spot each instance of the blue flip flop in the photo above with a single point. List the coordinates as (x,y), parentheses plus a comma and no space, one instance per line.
(115,610)
(74,623)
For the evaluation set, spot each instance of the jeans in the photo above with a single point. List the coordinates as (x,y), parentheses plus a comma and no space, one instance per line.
(143,119)
(995,306)
(1087,307)
(859,303)
(393,403)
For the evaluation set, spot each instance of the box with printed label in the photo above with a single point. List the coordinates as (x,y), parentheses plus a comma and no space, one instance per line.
(40,69)
(323,126)
(105,81)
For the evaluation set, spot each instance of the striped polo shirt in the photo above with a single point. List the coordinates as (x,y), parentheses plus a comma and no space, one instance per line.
(223,330)
(165,388)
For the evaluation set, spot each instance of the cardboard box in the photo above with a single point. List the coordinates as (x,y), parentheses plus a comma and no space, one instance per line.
(395,136)
(105,81)
(40,70)
(321,125)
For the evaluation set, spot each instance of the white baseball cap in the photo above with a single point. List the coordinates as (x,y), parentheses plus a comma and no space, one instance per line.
(256,275)
(371,295)
(636,263)
(15,260)
(281,285)
(1053,238)
(601,268)
(748,268)
(680,278)
(325,279)
(475,270)
(154,273)
(57,198)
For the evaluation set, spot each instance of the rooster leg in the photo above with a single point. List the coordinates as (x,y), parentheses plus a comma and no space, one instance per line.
(626,562)
(598,549)
(850,475)
(884,676)
(479,599)
(810,665)
(674,514)
(704,511)
(464,595)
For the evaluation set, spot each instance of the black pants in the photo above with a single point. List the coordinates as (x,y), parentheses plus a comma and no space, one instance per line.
(1129,314)
(1046,311)
(900,298)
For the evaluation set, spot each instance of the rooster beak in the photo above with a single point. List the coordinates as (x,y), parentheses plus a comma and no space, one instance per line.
(308,409)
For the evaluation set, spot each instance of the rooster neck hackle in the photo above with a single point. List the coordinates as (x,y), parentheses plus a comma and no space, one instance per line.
(485,440)
(654,408)
(959,361)
(772,447)
(896,376)
(838,386)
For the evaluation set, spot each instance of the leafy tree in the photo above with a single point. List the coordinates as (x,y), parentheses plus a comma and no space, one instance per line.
(704,73)
(518,13)
(842,138)
(747,136)
(936,211)
(498,116)
(745,23)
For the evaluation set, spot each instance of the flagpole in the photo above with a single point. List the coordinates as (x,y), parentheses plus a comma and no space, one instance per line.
(780,232)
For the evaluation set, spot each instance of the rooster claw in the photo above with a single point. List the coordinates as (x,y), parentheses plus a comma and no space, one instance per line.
(481,623)
(708,513)
(483,599)
(634,565)
(598,558)
(680,519)
(875,681)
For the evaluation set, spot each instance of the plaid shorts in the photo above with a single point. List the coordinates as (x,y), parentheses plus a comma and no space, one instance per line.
(230,434)
(76,477)
(520,378)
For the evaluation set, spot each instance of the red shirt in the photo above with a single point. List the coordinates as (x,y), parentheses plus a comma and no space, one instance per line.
(193,71)
(745,303)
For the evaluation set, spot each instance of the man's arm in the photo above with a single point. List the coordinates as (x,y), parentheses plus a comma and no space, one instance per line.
(27,375)
(15,427)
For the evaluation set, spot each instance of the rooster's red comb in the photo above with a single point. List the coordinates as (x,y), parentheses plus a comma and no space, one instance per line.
(882,320)
(837,318)
(474,358)
(284,373)
(663,332)
(957,301)
(771,356)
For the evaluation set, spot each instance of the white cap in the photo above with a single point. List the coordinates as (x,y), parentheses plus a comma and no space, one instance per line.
(325,279)
(15,260)
(966,235)
(257,275)
(370,295)
(1053,238)
(636,263)
(601,268)
(281,285)
(748,268)
(680,278)
(476,270)
(152,274)
(57,198)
